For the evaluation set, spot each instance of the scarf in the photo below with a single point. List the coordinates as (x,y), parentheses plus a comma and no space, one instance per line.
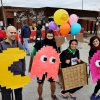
(71,50)
(49,42)
(96,48)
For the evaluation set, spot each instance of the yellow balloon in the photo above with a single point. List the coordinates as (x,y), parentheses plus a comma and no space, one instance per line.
(61,16)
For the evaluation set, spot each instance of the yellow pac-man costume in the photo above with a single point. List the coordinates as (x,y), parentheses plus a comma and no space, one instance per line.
(7,78)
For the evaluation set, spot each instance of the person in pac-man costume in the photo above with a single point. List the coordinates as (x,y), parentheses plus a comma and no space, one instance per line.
(45,57)
(12,66)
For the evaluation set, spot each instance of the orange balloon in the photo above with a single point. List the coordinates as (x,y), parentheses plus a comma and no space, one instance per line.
(64,29)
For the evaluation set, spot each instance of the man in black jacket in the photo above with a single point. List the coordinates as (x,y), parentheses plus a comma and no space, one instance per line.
(38,34)
(18,67)
(25,33)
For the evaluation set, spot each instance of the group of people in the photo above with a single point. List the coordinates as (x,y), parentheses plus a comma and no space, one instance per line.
(68,57)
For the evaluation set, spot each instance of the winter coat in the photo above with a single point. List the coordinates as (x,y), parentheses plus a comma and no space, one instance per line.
(25,31)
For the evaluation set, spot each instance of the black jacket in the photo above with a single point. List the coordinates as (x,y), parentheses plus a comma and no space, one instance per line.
(45,42)
(66,55)
(91,52)
(38,34)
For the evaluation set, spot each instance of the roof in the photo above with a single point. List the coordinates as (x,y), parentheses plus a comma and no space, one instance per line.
(49,11)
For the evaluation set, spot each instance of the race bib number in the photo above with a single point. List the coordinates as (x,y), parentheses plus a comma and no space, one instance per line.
(73,61)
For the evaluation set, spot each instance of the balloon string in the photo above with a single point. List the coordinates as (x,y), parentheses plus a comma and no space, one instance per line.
(58,33)
(74,37)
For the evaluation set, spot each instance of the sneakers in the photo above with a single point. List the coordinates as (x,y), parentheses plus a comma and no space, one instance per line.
(72,96)
(97,97)
(54,97)
(92,97)
(64,96)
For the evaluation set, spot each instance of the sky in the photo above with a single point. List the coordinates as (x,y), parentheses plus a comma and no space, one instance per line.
(73,4)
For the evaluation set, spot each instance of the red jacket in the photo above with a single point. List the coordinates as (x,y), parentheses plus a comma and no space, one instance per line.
(1,36)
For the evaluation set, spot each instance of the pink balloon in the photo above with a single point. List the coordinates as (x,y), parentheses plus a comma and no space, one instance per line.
(73,19)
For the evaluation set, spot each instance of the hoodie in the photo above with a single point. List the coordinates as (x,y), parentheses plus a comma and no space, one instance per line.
(25,31)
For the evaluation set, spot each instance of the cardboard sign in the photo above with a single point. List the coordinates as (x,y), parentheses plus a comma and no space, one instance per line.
(79,37)
(7,78)
(74,76)
(95,66)
(47,61)
(59,40)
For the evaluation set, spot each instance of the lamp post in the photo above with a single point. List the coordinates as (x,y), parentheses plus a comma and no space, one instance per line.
(3,14)
(82,4)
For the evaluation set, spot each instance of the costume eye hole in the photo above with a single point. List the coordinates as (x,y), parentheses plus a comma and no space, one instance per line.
(97,63)
(52,60)
(43,58)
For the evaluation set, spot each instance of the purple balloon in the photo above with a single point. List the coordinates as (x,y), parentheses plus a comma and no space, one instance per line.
(52,25)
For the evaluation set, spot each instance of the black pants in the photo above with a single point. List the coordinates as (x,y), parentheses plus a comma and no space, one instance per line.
(72,90)
(97,87)
(6,94)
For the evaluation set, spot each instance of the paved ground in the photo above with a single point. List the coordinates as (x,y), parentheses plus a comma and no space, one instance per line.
(30,91)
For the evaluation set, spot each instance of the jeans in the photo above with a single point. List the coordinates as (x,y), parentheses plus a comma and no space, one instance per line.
(25,45)
(6,93)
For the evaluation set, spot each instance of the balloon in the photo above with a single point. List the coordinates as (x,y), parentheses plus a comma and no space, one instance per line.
(52,25)
(73,19)
(75,29)
(65,29)
(61,16)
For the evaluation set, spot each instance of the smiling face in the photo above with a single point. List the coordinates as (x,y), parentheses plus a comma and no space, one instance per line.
(73,45)
(11,33)
(96,43)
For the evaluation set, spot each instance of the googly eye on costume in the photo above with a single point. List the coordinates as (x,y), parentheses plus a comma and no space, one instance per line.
(97,63)
(52,60)
(43,58)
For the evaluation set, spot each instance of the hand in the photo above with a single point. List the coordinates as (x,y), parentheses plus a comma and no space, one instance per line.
(78,60)
(23,74)
(67,61)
